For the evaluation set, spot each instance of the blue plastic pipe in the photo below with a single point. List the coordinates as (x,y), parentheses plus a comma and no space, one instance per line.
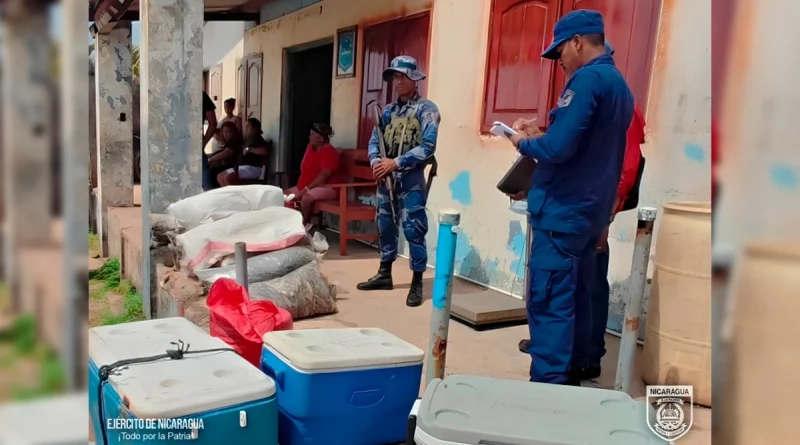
(442,292)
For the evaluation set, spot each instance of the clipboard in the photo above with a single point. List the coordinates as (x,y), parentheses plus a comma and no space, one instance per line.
(519,178)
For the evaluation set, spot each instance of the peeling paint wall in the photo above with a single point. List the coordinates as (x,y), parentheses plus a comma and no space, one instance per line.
(490,246)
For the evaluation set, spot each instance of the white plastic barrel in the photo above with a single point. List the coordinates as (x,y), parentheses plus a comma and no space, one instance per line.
(761,388)
(677,346)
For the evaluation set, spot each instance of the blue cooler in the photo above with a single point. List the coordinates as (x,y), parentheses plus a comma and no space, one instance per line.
(342,386)
(210,398)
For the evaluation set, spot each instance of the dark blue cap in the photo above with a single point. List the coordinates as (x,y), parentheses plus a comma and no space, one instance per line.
(578,22)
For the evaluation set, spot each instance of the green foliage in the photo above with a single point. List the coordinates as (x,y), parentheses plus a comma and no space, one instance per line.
(135,62)
(108,273)
(25,346)
(52,379)
(94,242)
(133,308)
(22,334)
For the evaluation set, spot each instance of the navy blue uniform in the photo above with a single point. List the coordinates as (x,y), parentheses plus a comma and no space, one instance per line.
(574,187)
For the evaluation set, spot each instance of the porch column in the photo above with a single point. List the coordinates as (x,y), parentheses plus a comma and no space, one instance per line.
(171,74)
(114,100)
(28,92)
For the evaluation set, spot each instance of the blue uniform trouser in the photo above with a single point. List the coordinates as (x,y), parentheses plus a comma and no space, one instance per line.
(599,301)
(561,273)
(409,205)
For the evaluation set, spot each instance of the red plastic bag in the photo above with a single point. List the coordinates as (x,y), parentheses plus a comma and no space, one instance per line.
(241,323)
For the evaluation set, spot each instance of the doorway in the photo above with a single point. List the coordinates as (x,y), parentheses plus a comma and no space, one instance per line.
(308,78)
(382,42)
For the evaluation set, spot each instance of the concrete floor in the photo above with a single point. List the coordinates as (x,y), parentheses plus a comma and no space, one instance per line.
(490,353)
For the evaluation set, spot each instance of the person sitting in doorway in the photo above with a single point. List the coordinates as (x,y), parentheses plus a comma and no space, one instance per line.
(218,141)
(320,166)
(232,149)
(229,105)
(253,160)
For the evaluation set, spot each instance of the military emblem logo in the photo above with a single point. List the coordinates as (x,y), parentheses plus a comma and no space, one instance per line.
(671,412)
(565,99)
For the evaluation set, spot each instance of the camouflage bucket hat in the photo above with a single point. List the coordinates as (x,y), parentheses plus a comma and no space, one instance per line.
(406,65)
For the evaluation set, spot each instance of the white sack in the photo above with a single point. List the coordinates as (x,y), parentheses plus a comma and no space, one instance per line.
(273,228)
(223,202)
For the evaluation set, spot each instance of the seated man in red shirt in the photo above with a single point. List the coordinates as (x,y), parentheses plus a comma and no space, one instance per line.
(320,166)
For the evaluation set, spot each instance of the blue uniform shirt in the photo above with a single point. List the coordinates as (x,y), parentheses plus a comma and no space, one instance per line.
(580,156)
(416,124)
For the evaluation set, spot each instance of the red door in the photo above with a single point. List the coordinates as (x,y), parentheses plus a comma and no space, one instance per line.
(723,12)
(518,79)
(631,27)
(382,43)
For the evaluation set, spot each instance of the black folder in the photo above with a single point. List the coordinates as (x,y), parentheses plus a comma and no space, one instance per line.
(519,177)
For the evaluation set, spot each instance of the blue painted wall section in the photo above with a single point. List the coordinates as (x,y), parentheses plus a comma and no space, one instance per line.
(516,244)
(785,177)
(624,235)
(694,152)
(461,189)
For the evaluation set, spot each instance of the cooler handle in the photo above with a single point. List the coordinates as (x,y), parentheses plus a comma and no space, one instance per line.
(275,375)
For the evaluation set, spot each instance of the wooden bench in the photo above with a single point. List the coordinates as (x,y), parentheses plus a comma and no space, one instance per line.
(353,164)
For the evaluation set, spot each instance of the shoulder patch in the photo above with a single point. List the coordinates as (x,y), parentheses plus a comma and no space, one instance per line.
(565,98)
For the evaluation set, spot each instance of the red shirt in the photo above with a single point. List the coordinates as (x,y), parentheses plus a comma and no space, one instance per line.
(715,158)
(630,165)
(315,161)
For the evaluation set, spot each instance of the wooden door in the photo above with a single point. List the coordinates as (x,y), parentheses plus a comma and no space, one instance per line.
(631,27)
(215,88)
(241,87)
(408,36)
(411,39)
(254,78)
(519,80)
(376,58)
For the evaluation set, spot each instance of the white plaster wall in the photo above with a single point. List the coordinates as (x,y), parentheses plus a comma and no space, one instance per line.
(760,195)
(470,164)
(678,147)
(223,42)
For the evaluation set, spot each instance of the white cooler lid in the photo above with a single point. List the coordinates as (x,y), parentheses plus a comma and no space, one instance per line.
(319,349)
(53,420)
(174,388)
(475,410)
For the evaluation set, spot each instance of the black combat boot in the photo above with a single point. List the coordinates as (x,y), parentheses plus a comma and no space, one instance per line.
(381,281)
(414,297)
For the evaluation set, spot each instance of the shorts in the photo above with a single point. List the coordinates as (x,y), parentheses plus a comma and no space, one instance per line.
(247,172)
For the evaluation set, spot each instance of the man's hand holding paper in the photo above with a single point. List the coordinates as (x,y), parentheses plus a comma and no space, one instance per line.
(527,126)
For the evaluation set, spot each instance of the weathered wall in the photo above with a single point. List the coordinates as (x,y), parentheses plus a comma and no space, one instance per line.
(490,247)
(760,162)
(678,148)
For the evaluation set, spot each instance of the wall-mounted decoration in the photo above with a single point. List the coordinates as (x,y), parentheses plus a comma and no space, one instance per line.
(346,39)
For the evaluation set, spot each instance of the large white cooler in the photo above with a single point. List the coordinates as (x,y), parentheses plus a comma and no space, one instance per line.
(467,410)
(218,397)
(342,386)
